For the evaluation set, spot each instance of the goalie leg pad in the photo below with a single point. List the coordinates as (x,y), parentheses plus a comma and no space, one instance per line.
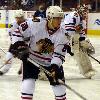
(81,57)
(90,73)
(84,62)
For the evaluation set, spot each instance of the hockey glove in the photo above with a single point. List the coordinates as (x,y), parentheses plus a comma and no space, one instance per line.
(56,73)
(23,53)
(86,46)
(20,50)
(68,48)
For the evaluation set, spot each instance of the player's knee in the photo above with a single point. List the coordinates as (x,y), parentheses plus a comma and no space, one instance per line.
(28,86)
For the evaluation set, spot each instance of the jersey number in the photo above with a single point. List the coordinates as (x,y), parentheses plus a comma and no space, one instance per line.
(24,26)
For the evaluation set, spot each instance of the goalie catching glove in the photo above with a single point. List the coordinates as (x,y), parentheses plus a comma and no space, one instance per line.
(86,46)
(20,50)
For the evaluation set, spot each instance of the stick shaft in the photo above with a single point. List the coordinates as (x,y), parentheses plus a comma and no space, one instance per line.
(94,58)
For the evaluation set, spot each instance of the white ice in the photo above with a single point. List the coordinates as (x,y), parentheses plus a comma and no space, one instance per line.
(89,88)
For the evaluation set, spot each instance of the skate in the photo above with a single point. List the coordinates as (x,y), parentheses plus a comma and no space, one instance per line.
(90,73)
(1,73)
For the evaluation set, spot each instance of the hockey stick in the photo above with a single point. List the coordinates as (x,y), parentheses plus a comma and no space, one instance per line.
(7,62)
(60,81)
(2,50)
(94,58)
(78,94)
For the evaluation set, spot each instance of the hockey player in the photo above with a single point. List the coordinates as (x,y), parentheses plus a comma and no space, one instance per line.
(48,48)
(19,18)
(75,26)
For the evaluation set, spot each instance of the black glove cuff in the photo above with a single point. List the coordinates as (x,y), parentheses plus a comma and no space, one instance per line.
(81,38)
(54,67)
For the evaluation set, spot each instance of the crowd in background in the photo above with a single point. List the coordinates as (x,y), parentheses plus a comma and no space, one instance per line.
(34,4)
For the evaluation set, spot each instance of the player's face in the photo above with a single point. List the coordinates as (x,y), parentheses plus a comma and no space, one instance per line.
(19,20)
(56,22)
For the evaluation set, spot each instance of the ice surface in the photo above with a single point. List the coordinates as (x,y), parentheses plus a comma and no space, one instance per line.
(89,88)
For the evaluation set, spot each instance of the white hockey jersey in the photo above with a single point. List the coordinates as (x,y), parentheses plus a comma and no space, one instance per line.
(58,39)
(71,20)
(17,32)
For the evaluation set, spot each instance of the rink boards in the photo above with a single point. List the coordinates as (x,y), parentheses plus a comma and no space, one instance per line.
(93,23)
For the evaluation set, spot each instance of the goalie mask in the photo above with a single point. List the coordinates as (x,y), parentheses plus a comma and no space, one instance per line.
(82,10)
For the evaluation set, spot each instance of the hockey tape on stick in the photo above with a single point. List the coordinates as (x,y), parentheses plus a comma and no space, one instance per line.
(94,58)
(60,81)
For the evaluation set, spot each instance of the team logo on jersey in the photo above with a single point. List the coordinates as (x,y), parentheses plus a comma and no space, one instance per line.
(76,14)
(97,21)
(45,46)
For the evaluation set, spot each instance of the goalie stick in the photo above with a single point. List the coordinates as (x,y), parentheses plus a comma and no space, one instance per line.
(60,81)
(94,58)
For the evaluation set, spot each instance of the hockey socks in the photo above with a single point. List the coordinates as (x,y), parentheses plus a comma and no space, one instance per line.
(28,86)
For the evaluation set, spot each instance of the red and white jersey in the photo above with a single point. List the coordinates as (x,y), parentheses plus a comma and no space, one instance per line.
(16,31)
(58,39)
(12,27)
(71,20)
(11,30)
